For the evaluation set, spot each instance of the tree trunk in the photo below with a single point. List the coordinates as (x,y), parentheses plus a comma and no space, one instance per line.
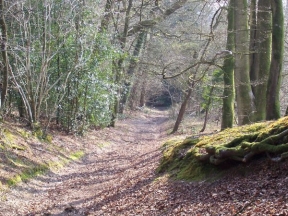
(131,70)
(253,55)
(253,32)
(207,109)
(143,90)
(114,107)
(260,69)
(118,66)
(20,106)
(194,79)
(274,80)
(244,94)
(183,108)
(228,73)
(107,17)
(4,38)
(134,95)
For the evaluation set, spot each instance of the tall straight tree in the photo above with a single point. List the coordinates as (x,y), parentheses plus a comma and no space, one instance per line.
(118,64)
(5,69)
(228,74)
(130,71)
(107,16)
(274,80)
(244,94)
(261,54)
(253,30)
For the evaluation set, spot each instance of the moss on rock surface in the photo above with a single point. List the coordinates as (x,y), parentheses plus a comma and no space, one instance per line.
(196,157)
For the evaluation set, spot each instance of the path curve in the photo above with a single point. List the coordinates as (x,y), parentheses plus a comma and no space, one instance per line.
(108,181)
(119,180)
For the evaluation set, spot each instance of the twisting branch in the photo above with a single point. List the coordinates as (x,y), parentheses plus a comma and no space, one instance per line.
(218,55)
(150,23)
(201,60)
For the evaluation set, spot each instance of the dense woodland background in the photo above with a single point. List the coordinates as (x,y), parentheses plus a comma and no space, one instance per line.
(81,64)
(68,66)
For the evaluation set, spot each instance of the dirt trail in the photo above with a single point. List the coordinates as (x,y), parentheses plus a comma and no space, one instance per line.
(117,177)
(110,180)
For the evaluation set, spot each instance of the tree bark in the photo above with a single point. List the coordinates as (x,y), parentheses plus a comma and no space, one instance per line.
(261,63)
(143,93)
(131,70)
(4,38)
(207,109)
(274,80)
(228,74)
(118,66)
(253,32)
(244,94)
(107,16)
(183,108)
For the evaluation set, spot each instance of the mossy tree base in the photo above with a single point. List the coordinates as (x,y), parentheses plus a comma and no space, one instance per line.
(238,144)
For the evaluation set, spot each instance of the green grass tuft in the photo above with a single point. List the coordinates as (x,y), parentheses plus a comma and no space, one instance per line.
(28,174)
(34,171)
(77,155)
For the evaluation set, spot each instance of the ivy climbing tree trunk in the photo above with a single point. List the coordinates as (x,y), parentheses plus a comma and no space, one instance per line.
(244,94)
(228,74)
(274,80)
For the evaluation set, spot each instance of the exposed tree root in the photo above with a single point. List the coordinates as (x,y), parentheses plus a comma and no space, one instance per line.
(244,147)
(234,144)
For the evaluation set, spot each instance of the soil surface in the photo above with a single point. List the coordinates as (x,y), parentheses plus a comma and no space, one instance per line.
(117,177)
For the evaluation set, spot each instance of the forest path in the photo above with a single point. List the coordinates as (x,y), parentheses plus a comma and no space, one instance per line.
(117,177)
(111,178)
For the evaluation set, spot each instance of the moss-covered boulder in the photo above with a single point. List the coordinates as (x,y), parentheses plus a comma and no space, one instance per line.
(193,155)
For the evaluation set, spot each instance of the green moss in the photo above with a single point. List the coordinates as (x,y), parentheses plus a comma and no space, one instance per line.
(13,181)
(38,133)
(16,162)
(174,151)
(273,128)
(198,171)
(190,158)
(53,147)
(54,165)
(65,160)
(27,174)
(25,134)
(7,137)
(179,160)
(77,155)
(40,169)
(17,147)
(47,138)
